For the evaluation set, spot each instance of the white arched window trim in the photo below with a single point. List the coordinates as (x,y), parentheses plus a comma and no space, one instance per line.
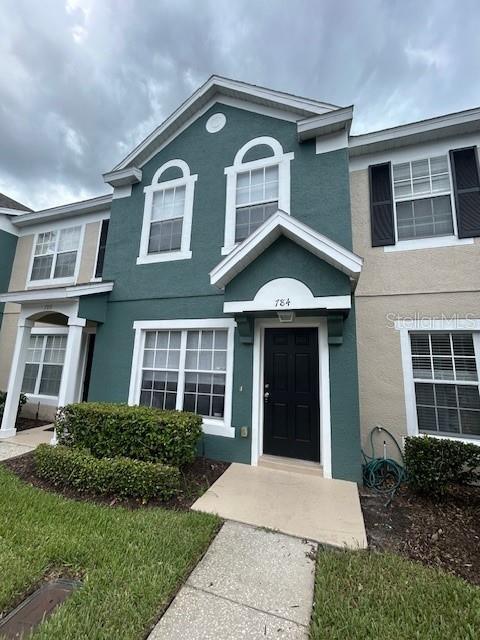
(279,158)
(187,180)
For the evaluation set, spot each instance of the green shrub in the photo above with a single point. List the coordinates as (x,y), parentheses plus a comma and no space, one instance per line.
(143,433)
(434,464)
(120,477)
(3,397)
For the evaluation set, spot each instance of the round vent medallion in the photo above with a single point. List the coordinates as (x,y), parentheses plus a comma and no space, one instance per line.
(216,122)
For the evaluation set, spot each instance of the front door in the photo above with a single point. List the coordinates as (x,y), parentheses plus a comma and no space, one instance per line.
(291,406)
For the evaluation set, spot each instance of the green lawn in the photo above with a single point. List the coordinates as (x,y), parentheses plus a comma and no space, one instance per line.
(370,596)
(132,561)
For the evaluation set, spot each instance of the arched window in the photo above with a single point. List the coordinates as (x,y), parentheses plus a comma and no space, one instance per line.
(256,188)
(167,217)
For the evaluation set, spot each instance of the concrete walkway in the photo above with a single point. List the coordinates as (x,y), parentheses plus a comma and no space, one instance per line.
(297,504)
(251,583)
(24,441)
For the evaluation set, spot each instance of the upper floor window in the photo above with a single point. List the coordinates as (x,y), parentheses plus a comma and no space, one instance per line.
(167,218)
(256,189)
(423,200)
(56,255)
(446,383)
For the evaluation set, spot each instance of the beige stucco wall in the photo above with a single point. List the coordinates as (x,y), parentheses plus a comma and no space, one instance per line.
(21,263)
(405,284)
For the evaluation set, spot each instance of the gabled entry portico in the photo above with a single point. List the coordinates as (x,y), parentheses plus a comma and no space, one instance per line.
(51,307)
(289,289)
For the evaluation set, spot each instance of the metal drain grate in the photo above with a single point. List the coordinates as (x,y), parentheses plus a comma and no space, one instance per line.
(34,609)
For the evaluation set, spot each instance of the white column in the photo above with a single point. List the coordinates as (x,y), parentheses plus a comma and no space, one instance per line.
(16,378)
(71,365)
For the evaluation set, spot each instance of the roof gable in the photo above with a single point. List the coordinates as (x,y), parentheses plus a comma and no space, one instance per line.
(218,89)
(283,224)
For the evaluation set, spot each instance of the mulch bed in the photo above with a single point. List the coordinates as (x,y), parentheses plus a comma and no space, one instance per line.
(441,533)
(197,478)
(22,424)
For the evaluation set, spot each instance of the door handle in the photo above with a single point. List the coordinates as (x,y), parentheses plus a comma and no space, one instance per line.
(266,396)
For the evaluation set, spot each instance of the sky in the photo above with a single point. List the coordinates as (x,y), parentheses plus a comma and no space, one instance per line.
(84,81)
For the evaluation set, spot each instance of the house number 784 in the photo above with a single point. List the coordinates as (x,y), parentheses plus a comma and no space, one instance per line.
(282,302)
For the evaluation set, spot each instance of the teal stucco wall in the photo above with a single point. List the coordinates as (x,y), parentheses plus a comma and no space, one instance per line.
(182,290)
(8,245)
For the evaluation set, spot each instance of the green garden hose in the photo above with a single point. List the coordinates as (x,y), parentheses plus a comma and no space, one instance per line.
(383,475)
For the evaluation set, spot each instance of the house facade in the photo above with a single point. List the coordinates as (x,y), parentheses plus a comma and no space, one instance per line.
(222,277)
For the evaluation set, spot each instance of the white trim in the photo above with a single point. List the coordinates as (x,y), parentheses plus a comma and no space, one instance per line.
(49,401)
(279,158)
(84,207)
(123,177)
(187,180)
(326,123)
(122,192)
(59,330)
(324,387)
(428,243)
(331,142)
(211,426)
(56,293)
(405,327)
(83,219)
(213,90)
(283,294)
(422,131)
(6,225)
(282,224)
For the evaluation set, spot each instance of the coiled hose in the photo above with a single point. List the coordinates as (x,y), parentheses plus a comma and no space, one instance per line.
(383,475)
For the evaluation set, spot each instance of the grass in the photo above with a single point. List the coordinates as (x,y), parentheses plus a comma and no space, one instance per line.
(361,595)
(132,562)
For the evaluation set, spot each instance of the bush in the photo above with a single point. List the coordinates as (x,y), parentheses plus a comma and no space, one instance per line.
(120,477)
(3,397)
(143,433)
(434,464)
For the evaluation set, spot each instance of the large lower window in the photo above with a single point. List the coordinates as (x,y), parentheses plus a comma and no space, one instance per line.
(55,254)
(44,364)
(423,201)
(185,369)
(446,383)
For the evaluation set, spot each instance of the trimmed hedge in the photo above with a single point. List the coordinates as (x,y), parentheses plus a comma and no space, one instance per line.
(119,477)
(434,464)
(143,433)
(3,397)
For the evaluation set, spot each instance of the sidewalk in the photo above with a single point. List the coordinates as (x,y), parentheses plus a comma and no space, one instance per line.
(251,583)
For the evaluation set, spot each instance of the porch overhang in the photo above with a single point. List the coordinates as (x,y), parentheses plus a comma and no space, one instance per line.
(49,294)
(283,224)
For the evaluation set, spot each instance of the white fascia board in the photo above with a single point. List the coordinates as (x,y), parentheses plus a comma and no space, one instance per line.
(56,293)
(14,212)
(322,302)
(283,224)
(325,123)
(65,211)
(423,131)
(217,85)
(123,177)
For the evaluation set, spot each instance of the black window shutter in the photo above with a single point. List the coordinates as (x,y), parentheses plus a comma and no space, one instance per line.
(101,249)
(381,205)
(466,186)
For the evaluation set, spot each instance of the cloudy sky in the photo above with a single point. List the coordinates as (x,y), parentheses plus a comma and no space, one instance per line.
(83,81)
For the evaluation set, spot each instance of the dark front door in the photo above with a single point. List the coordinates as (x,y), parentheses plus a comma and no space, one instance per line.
(291,409)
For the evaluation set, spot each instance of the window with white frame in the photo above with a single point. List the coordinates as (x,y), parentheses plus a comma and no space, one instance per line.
(185,370)
(445,376)
(167,219)
(55,254)
(256,189)
(423,198)
(44,364)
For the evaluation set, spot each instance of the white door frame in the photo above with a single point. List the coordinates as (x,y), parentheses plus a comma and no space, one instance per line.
(324,386)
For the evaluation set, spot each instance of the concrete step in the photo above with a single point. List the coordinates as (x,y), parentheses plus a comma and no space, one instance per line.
(291,464)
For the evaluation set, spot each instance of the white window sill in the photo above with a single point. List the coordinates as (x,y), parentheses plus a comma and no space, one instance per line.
(216,428)
(453,438)
(96,279)
(427,243)
(51,401)
(168,256)
(51,282)
(226,250)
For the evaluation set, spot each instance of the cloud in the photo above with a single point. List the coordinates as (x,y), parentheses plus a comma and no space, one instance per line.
(82,82)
